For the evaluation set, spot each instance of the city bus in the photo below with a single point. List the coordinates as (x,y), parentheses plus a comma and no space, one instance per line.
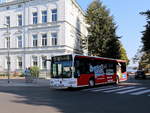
(78,71)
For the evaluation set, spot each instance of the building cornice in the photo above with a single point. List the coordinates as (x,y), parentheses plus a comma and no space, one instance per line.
(14,2)
(39,25)
(29,50)
(18,2)
(78,6)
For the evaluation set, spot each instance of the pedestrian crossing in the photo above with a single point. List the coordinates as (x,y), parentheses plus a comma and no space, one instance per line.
(131,90)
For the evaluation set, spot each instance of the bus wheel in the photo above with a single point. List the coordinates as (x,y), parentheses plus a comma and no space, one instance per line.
(117,80)
(91,83)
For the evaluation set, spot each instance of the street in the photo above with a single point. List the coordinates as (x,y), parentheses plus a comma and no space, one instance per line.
(132,96)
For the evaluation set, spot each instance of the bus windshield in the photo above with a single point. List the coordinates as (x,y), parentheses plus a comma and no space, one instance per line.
(61,66)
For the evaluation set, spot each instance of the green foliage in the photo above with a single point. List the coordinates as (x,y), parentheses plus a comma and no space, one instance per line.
(145,61)
(21,75)
(124,54)
(146,33)
(2,75)
(35,71)
(102,38)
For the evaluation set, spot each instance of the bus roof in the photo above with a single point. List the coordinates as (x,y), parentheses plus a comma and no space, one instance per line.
(95,57)
(102,58)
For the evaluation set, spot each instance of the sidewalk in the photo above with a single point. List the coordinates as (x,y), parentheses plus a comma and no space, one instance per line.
(20,82)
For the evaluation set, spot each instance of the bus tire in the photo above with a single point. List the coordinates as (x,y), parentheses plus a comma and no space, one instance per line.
(91,83)
(117,80)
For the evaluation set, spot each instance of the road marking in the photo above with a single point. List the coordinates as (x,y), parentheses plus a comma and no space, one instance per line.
(104,87)
(108,88)
(124,88)
(89,89)
(140,92)
(130,90)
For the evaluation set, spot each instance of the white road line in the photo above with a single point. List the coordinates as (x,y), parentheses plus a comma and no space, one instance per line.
(124,88)
(130,90)
(104,87)
(140,92)
(89,89)
(109,88)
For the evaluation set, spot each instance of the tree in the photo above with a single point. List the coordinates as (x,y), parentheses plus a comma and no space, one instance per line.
(144,62)
(102,38)
(124,54)
(146,33)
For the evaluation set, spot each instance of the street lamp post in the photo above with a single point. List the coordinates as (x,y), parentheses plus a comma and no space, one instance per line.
(8,52)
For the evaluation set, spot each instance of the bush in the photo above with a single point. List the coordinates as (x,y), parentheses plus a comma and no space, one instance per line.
(2,75)
(35,71)
(21,75)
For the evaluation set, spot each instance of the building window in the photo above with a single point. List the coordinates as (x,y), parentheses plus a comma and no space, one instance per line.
(44,39)
(35,18)
(8,8)
(19,20)
(44,16)
(35,40)
(54,15)
(8,20)
(54,39)
(34,59)
(19,6)
(19,62)
(44,62)
(19,41)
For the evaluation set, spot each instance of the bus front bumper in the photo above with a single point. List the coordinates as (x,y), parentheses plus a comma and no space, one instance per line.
(63,83)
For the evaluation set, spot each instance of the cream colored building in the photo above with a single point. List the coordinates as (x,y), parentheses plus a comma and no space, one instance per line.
(39,29)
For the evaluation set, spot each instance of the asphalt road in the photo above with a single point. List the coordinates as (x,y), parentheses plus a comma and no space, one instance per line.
(83,100)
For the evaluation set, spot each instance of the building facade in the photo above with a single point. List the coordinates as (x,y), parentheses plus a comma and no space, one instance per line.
(34,30)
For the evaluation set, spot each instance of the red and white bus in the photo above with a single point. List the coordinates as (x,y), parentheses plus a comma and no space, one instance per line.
(78,71)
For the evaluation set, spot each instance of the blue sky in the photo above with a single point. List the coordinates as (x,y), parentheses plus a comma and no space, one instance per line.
(130,23)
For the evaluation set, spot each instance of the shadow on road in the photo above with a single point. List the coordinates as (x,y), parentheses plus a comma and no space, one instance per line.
(72,100)
(66,101)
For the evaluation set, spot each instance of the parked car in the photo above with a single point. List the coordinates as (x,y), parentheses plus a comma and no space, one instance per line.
(140,74)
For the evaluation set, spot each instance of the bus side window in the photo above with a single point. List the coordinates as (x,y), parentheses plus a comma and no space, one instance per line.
(84,66)
(109,68)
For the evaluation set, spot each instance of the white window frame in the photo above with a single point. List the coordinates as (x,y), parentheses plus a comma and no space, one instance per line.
(19,20)
(54,39)
(34,60)
(19,60)
(54,15)
(44,16)
(7,21)
(44,39)
(44,64)
(35,18)
(19,42)
(34,40)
